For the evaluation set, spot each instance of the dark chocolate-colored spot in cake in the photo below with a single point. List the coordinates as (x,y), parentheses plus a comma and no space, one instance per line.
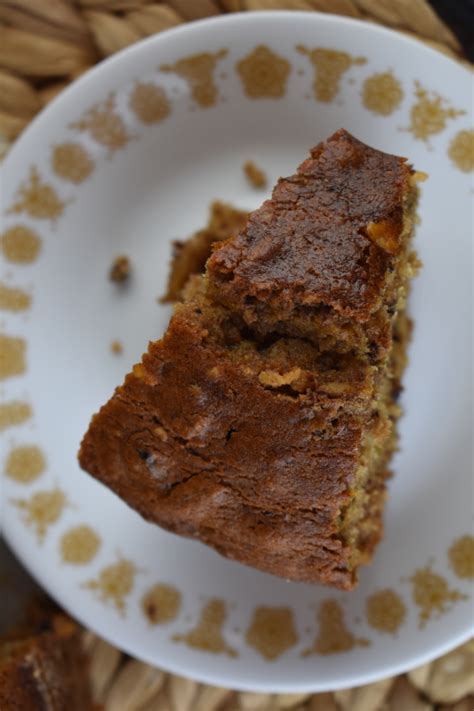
(397,391)
(264,343)
(286,390)
(143,455)
(373,353)
(230,433)
(327,361)
(231,332)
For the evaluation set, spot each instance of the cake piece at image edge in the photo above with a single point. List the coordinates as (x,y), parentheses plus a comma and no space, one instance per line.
(43,665)
(263,422)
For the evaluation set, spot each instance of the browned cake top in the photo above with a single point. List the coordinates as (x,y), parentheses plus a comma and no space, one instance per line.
(327,236)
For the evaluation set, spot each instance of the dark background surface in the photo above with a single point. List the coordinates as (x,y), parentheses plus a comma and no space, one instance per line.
(459,15)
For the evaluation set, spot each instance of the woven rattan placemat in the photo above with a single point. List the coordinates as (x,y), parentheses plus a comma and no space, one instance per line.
(46,44)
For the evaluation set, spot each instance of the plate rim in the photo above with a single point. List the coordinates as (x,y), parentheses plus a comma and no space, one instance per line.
(230,18)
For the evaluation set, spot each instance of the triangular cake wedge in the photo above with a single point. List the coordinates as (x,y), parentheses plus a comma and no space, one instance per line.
(269,439)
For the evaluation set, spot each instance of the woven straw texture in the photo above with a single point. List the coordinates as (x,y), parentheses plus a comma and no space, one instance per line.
(123,684)
(46,44)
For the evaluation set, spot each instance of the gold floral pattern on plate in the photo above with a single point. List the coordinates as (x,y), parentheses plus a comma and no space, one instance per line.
(461,557)
(430,113)
(149,103)
(71,162)
(264,74)
(14,413)
(105,125)
(272,631)
(25,463)
(461,150)
(207,635)
(382,93)
(198,71)
(12,356)
(20,245)
(385,611)
(329,67)
(14,299)
(161,604)
(333,635)
(115,583)
(42,510)
(79,545)
(37,198)
(431,594)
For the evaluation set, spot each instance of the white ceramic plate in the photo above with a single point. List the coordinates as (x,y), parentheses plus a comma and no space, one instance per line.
(143,167)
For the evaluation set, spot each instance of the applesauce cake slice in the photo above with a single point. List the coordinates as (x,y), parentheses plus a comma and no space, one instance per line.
(267,434)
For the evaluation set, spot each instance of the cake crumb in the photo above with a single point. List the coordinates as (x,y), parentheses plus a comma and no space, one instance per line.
(116,347)
(254,174)
(120,269)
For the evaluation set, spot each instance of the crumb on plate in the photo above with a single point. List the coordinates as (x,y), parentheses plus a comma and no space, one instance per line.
(116,347)
(254,174)
(120,269)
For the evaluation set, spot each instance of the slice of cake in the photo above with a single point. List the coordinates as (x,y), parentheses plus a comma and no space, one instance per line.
(263,422)
(42,665)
